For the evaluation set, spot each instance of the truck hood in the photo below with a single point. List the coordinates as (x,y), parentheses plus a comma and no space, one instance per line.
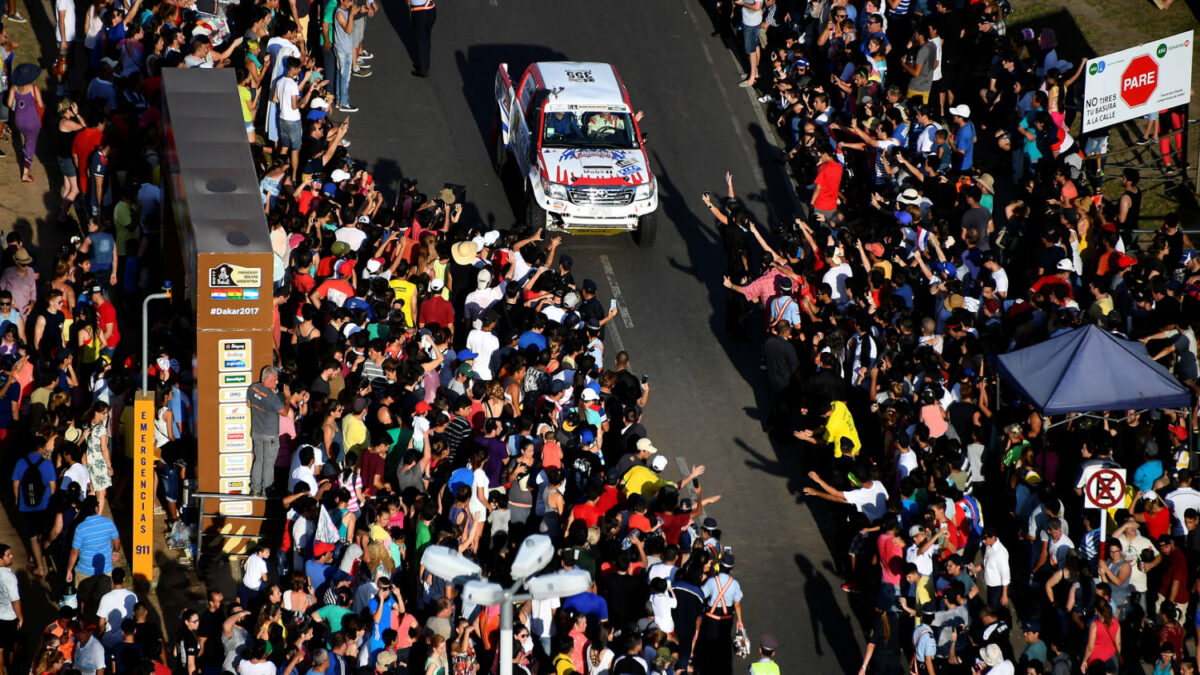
(595,166)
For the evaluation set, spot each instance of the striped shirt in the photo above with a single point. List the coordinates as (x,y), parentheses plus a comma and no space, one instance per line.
(900,9)
(93,538)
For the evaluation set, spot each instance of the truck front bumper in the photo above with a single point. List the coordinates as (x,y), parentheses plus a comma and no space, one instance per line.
(564,216)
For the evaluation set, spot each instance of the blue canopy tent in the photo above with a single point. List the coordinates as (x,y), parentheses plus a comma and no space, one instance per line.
(1090,370)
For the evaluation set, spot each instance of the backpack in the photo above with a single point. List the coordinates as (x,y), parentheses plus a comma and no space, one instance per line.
(33,488)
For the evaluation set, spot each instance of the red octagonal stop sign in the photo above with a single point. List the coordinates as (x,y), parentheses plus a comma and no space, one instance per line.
(1139,81)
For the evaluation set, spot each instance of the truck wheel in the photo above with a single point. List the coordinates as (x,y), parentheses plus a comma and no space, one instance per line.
(535,215)
(647,230)
(499,151)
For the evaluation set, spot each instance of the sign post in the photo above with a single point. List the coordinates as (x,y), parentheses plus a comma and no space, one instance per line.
(143,487)
(1138,81)
(1104,489)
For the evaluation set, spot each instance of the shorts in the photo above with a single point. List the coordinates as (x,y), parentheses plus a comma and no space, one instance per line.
(9,635)
(357,30)
(66,165)
(168,481)
(249,128)
(291,134)
(32,523)
(750,37)
(913,93)
(1151,117)
(1096,145)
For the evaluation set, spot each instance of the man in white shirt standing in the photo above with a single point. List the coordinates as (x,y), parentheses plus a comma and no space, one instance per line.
(115,606)
(64,31)
(254,575)
(996,573)
(291,98)
(11,617)
(1180,500)
(484,343)
(752,19)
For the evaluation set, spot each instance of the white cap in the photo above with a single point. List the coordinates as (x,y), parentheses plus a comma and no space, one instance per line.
(1065,265)
(963,111)
(658,463)
(480,243)
(644,444)
(339,175)
(437,285)
(589,394)
(570,299)
(491,237)
(319,104)
(484,278)
(373,265)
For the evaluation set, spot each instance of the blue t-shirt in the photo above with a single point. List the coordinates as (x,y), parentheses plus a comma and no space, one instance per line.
(93,538)
(385,622)
(531,338)
(1146,474)
(102,250)
(46,468)
(463,476)
(964,140)
(594,607)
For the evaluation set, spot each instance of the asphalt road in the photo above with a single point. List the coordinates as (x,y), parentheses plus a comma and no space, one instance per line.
(699,125)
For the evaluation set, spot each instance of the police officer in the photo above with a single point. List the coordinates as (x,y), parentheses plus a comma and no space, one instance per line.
(723,598)
(766,665)
(422,14)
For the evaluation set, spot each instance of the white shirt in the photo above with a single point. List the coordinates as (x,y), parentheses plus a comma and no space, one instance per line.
(1000,277)
(77,473)
(923,561)
(1133,553)
(352,236)
(1180,501)
(303,474)
(248,667)
(89,657)
(871,501)
(256,567)
(906,462)
(484,344)
(115,606)
(995,566)
(9,593)
(64,15)
(1056,551)
(661,570)
(836,278)
(285,89)
(663,604)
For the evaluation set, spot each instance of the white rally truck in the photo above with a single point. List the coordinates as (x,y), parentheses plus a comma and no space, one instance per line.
(570,131)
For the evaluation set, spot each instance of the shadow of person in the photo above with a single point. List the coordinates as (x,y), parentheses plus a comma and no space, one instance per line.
(825,618)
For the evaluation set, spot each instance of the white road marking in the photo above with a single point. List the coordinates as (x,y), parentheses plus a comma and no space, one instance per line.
(626,317)
(762,120)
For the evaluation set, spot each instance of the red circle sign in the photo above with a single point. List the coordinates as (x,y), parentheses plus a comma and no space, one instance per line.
(1105,489)
(1139,80)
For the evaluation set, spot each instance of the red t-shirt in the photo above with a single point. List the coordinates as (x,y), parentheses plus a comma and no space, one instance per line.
(588,513)
(106,315)
(1174,569)
(437,310)
(336,291)
(86,141)
(829,177)
(673,525)
(639,521)
(370,465)
(1158,524)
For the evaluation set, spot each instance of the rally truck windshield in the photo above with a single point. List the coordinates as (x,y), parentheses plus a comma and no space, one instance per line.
(589,128)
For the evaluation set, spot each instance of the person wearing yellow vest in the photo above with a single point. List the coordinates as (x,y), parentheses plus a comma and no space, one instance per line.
(645,481)
(840,433)
(765,665)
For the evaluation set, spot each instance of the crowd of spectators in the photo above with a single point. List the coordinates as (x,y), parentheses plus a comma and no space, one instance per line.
(435,383)
(948,214)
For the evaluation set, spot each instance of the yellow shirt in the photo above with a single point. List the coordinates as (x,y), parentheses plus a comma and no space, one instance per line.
(354,435)
(839,426)
(406,291)
(643,481)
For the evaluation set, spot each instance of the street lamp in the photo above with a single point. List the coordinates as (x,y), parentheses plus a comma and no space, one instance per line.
(535,553)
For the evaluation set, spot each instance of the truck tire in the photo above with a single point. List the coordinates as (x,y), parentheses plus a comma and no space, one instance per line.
(499,151)
(647,230)
(535,215)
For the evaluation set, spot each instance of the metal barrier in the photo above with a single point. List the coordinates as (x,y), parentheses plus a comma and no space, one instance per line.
(203,498)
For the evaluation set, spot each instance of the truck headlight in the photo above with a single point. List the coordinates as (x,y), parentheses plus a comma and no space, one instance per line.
(643,191)
(556,191)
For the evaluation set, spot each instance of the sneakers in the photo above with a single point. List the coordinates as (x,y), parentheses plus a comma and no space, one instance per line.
(765,99)
(851,588)
(1145,141)
(365,55)
(361,73)
(16,17)
(345,143)
(347,108)
(746,83)
(362,65)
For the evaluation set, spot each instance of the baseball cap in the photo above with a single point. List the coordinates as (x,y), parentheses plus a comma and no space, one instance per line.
(466,369)
(484,278)
(587,437)
(644,445)
(339,175)
(904,217)
(589,394)
(963,111)
(915,530)
(1188,256)
(658,463)
(436,285)
(466,355)
(1065,265)
(589,285)
(1031,626)
(421,408)
(321,548)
